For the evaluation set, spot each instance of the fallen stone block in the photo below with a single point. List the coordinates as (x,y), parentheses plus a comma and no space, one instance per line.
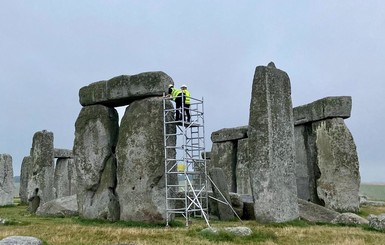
(64,206)
(21,240)
(377,222)
(124,89)
(329,107)
(350,219)
(315,213)
(240,230)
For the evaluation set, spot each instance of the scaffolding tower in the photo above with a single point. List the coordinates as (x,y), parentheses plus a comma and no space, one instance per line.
(185,162)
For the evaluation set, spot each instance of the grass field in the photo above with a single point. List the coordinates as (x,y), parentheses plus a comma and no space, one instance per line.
(375,192)
(16,191)
(74,230)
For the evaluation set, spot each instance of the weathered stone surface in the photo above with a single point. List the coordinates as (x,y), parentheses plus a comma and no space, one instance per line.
(72,176)
(140,154)
(61,179)
(122,90)
(96,134)
(221,192)
(377,222)
(315,213)
(6,180)
(62,153)
(25,174)
(21,240)
(40,185)
(329,107)
(64,206)
(271,146)
(350,219)
(339,182)
(306,165)
(242,171)
(248,207)
(224,156)
(239,230)
(228,134)
(237,203)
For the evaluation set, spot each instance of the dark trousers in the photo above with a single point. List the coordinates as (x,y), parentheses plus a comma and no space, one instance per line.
(187,112)
(178,105)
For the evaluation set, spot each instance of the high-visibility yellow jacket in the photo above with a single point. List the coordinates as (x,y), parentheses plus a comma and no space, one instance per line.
(187,95)
(175,92)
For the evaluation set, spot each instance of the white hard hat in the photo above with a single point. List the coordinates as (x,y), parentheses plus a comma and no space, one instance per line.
(183,86)
(171,85)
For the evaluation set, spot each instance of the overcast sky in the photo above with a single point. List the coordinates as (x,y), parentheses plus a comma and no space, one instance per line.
(50,49)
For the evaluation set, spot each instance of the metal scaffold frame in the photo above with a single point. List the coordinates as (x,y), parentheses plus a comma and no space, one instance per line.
(185,162)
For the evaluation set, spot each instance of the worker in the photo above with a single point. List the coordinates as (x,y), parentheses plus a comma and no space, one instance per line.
(186,95)
(176,95)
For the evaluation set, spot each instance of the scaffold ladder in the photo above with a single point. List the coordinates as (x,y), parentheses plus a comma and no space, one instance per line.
(185,162)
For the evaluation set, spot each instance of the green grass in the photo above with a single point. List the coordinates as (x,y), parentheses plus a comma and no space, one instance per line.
(76,230)
(16,190)
(373,192)
(95,222)
(223,236)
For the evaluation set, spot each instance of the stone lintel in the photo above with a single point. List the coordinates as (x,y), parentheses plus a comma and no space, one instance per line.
(228,134)
(62,153)
(328,107)
(124,89)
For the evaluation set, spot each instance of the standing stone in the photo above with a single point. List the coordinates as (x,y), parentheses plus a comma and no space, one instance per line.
(40,186)
(72,176)
(61,179)
(140,153)
(306,167)
(220,192)
(242,170)
(224,156)
(6,180)
(271,146)
(25,174)
(337,160)
(96,134)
